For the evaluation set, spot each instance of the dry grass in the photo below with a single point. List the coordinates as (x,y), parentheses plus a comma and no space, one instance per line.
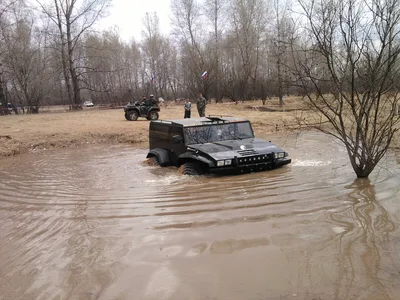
(24,133)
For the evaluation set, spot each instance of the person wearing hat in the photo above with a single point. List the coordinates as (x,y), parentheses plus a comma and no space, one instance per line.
(201,105)
(153,101)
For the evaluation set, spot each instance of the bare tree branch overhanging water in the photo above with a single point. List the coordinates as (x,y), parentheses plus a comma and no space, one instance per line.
(349,70)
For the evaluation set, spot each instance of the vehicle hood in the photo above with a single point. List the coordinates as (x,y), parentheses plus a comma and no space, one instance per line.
(240,148)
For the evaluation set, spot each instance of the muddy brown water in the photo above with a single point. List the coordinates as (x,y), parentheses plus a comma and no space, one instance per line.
(95,223)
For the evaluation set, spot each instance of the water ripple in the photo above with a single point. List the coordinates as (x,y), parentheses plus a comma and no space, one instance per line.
(97,223)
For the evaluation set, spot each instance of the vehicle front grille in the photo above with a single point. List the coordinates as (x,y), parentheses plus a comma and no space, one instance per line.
(247,152)
(255,159)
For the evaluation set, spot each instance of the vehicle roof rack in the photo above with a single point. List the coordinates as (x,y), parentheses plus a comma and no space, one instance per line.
(217,118)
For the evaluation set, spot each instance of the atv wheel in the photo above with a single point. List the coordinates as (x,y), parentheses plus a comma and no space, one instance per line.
(192,168)
(127,116)
(132,115)
(153,115)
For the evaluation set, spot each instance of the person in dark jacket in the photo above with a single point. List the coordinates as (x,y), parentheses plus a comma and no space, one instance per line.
(201,105)
(153,101)
(144,106)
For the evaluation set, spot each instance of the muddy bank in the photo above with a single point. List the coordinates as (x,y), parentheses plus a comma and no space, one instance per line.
(52,130)
(9,147)
(27,133)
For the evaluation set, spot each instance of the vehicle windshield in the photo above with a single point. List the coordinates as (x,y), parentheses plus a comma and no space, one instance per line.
(218,132)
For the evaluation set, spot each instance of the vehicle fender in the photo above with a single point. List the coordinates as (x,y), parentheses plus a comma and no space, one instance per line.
(192,156)
(132,108)
(161,154)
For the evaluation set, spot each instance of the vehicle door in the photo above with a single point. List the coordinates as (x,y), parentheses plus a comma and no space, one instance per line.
(177,142)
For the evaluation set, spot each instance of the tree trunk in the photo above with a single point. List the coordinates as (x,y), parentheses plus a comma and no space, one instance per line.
(216,52)
(3,106)
(63,54)
(72,70)
(280,88)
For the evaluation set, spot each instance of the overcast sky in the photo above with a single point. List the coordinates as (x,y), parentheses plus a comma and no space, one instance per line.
(128,15)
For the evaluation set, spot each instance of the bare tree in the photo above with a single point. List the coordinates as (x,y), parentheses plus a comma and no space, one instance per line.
(73,18)
(156,52)
(190,33)
(216,12)
(350,73)
(5,7)
(25,63)
(282,32)
(248,21)
(25,59)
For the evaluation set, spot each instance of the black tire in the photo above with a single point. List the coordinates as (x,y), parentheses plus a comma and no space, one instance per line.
(132,115)
(192,168)
(153,161)
(153,115)
(127,116)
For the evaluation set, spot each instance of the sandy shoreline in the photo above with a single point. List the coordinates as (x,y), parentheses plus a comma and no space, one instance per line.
(48,130)
(51,130)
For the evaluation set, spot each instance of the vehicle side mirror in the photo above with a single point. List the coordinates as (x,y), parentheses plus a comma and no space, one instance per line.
(177,139)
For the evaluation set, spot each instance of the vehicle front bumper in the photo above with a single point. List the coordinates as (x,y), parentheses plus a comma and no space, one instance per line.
(251,167)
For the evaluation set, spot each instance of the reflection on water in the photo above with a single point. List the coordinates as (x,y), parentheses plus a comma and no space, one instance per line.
(366,248)
(98,224)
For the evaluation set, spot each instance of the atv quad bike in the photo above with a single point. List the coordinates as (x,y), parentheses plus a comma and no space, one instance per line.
(134,111)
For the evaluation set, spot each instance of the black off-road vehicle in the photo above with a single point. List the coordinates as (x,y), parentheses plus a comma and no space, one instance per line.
(212,145)
(136,110)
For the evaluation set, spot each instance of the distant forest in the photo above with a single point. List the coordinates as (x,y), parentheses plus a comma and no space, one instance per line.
(50,52)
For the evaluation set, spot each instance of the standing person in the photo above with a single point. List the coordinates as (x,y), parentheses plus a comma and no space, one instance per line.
(201,105)
(188,107)
(10,108)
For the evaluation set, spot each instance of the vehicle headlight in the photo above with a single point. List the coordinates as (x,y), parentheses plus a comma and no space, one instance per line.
(220,163)
(280,154)
(228,162)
